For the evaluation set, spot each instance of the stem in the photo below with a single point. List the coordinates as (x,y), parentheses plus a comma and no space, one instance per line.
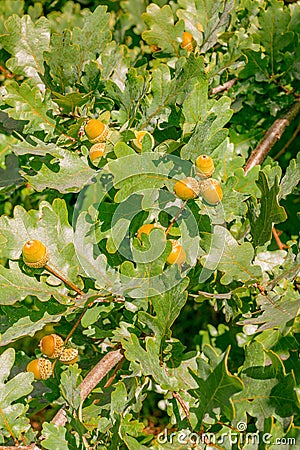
(295,134)
(62,278)
(176,217)
(280,244)
(186,411)
(273,135)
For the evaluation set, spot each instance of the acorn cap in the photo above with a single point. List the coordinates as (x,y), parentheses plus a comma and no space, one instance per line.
(97,151)
(35,253)
(69,356)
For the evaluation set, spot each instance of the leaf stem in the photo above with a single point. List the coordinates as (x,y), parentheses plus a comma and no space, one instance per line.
(176,217)
(65,280)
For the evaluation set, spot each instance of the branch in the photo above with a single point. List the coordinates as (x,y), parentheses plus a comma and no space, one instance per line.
(223,87)
(91,380)
(20,447)
(273,135)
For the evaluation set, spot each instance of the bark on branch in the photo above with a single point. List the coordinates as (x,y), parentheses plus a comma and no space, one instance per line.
(273,134)
(91,380)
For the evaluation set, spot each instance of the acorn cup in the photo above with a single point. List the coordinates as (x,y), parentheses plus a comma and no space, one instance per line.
(41,368)
(69,356)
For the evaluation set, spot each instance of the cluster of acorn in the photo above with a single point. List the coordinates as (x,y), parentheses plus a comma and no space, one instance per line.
(209,188)
(53,347)
(177,255)
(97,133)
(187,189)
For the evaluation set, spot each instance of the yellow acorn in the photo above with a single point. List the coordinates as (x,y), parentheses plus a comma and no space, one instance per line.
(187,188)
(96,131)
(138,141)
(204,166)
(41,368)
(187,41)
(35,253)
(51,345)
(96,152)
(69,356)
(146,228)
(211,191)
(177,255)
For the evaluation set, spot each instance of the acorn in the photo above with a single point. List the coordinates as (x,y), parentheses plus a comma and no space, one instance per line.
(137,143)
(177,255)
(146,228)
(35,254)
(69,356)
(96,131)
(51,345)
(187,41)
(41,368)
(187,189)
(96,152)
(211,191)
(204,166)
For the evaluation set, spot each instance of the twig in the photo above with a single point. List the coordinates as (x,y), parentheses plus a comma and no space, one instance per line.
(186,411)
(295,134)
(62,278)
(280,244)
(273,134)
(224,87)
(176,217)
(114,374)
(91,380)
(8,427)
(20,447)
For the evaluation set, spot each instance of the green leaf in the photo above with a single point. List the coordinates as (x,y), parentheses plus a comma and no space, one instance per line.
(276,313)
(62,59)
(231,258)
(69,386)
(163,33)
(216,391)
(266,387)
(129,97)
(134,10)
(291,178)
(208,133)
(66,171)
(25,326)
(55,437)
(11,175)
(205,19)
(167,308)
(270,211)
(93,36)
(167,91)
(26,42)
(13,415)
(27,103)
